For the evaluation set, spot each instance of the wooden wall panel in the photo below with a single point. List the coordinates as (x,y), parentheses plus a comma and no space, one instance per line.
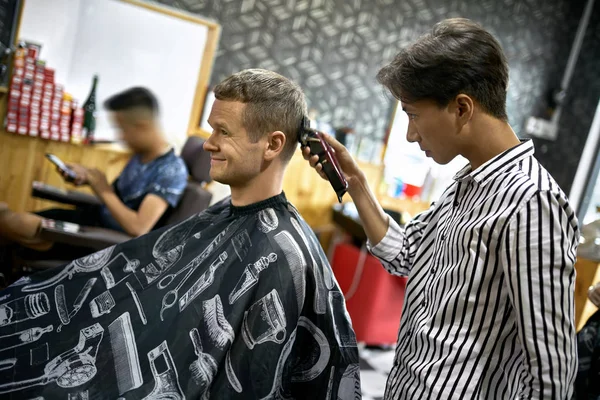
(22,161)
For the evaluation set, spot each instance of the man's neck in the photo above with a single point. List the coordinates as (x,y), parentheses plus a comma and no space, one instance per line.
(489,138)
(266,185)
(158,149)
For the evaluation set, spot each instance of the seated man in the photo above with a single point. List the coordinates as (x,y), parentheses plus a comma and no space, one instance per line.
(152,181)
(237,302)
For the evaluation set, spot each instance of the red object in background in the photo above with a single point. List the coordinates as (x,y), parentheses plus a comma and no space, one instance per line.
(412,190)
(374,298)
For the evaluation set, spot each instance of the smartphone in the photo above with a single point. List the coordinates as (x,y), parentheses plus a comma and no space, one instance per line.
(319,146)
(71,175)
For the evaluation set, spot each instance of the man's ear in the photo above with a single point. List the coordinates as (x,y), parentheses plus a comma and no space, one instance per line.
(464,108)
(275,144)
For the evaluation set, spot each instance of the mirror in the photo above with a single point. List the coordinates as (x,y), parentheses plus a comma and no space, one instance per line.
(126,43)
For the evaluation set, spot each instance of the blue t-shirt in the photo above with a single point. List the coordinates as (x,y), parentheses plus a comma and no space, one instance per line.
(165,176)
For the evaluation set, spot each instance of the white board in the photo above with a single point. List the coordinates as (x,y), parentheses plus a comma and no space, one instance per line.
(128,45)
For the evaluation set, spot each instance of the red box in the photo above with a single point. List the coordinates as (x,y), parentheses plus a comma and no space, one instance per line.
(49,75)
(11,125)
(32,52)
(44,134)
(78,112)
(16,82)
(14,94)
(13,105)
(54,133)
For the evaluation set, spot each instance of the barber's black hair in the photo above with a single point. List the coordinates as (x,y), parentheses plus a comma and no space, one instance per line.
(457,56)
(136,97)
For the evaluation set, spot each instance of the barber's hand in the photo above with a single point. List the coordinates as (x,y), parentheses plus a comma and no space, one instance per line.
(349,167)
(79,170)
(594,294)
(97,180)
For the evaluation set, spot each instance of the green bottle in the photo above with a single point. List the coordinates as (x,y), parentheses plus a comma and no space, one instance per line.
(89,114)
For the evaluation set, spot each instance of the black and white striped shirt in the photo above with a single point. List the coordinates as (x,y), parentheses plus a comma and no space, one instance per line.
(488,312)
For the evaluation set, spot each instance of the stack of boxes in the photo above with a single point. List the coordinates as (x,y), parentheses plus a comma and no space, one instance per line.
(37,106)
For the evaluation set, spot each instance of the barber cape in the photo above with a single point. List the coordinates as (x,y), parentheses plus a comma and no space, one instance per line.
(233,303)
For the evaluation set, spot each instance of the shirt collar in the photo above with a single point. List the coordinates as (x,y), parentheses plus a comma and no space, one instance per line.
(497,164)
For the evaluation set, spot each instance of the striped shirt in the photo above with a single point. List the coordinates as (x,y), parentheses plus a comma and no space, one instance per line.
(488,312)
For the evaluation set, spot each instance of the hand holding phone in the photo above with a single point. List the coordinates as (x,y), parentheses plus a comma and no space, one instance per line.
(68,173)
(319,147)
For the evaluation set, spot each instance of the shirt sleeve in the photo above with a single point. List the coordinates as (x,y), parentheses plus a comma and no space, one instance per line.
(170,182)
(398,248)
(538,257)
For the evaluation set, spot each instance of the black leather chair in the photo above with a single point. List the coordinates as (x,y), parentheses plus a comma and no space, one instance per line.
(195,199)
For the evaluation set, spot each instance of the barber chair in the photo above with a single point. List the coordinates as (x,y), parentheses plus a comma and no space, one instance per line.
(194,200)
(374,298)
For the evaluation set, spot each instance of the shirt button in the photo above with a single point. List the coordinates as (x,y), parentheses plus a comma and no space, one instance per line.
(456,204)
(444,236)
(432,271)
(424,303)
(409,332)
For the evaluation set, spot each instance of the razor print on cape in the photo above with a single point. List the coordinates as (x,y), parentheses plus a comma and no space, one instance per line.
(151,272)
(70,369)
(170,298)
(167,250)
(205,280)
(61,303)
(91,263)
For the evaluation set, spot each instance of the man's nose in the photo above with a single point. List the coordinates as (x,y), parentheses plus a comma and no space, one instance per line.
(411,134)
(210,145)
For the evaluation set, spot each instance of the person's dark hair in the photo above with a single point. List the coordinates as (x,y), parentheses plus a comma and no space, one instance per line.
(134,98)
(273,103)
(457,56)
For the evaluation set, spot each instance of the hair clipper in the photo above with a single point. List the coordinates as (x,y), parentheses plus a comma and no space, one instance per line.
(319,146)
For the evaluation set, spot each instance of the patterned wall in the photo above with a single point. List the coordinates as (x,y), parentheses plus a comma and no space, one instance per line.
(334,48)
(561,157)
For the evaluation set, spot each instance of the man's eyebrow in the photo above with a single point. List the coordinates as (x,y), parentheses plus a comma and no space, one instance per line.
(218,124)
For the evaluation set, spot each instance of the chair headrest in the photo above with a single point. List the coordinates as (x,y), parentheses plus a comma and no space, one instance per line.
(196,159)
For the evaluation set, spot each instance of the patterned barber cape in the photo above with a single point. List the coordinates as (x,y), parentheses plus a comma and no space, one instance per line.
(233,303)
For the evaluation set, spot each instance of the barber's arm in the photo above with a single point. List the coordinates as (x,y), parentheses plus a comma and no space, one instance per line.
(538,250)
(135,223)
(394,246)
